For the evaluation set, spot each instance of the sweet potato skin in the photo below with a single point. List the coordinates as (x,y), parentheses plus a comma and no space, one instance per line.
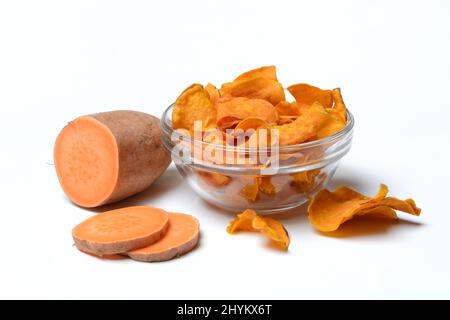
(142,157)
(100,249)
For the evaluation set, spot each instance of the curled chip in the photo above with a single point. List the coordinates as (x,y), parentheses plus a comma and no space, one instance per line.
(249,220)
(286,119)
(307,94)
(269,72)
(250,190)
(304,127)
(214,178)
(338,116)
(242,222)
(251,123)
(232,111)
(194,104)
(286,108)
(213,93)
(266,186)
(259,83)
(258,88)
(328,210)
(339,105)
(305,180)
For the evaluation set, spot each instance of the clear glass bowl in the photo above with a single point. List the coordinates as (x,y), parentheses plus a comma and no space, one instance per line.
(301,171)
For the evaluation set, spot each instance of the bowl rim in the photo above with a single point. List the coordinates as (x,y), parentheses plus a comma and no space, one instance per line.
(166,125)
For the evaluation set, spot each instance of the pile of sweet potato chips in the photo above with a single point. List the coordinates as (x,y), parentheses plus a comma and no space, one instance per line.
(255,100)
(252,112)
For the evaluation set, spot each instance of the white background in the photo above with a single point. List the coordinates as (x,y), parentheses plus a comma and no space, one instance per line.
(61,59)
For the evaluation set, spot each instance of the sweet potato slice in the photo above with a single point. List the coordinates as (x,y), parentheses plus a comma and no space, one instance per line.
(120,230)
(106,157)
(181,237)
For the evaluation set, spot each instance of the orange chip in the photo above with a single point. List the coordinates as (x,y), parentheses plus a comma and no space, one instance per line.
(285,108)
(259,83)
(339,105)
(232,111)
(266,186)
(381,212)
(338,116)
(333,125)
(258,88)
(269,72)
(249,220)
(328,210)
(286,119)
(243,222)
(251,123)
(225,89)
(250,191)
(304,127)
(214,178)
(307,94)
(305,180)
(193,105)
(408,205)
(213,93)
(273,229)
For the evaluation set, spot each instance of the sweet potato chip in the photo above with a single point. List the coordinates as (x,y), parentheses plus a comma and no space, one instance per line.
(339,105)
(232,111)
(260,83)
(266,186)
(328,210)
(251,123)
(193,105)
(273,229)
(333,125)
(286,119)
(214,178)
(285,108)
(258,88)
(305,180)
(338,116)
(243,222)
(307,94)
(304,127)
(213,93)
(268,72)
(250,191)
(381,212)
(225,89)
(249,220)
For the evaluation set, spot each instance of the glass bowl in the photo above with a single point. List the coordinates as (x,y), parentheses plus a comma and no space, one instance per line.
(281,177)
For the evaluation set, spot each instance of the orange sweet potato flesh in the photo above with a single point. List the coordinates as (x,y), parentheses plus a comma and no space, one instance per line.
(106,157)
(181,237)
(121,230)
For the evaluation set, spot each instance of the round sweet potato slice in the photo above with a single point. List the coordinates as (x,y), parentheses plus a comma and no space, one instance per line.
(120,230)
(181,237)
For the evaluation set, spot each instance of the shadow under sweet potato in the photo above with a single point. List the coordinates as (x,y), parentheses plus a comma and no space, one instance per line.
(169,180)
